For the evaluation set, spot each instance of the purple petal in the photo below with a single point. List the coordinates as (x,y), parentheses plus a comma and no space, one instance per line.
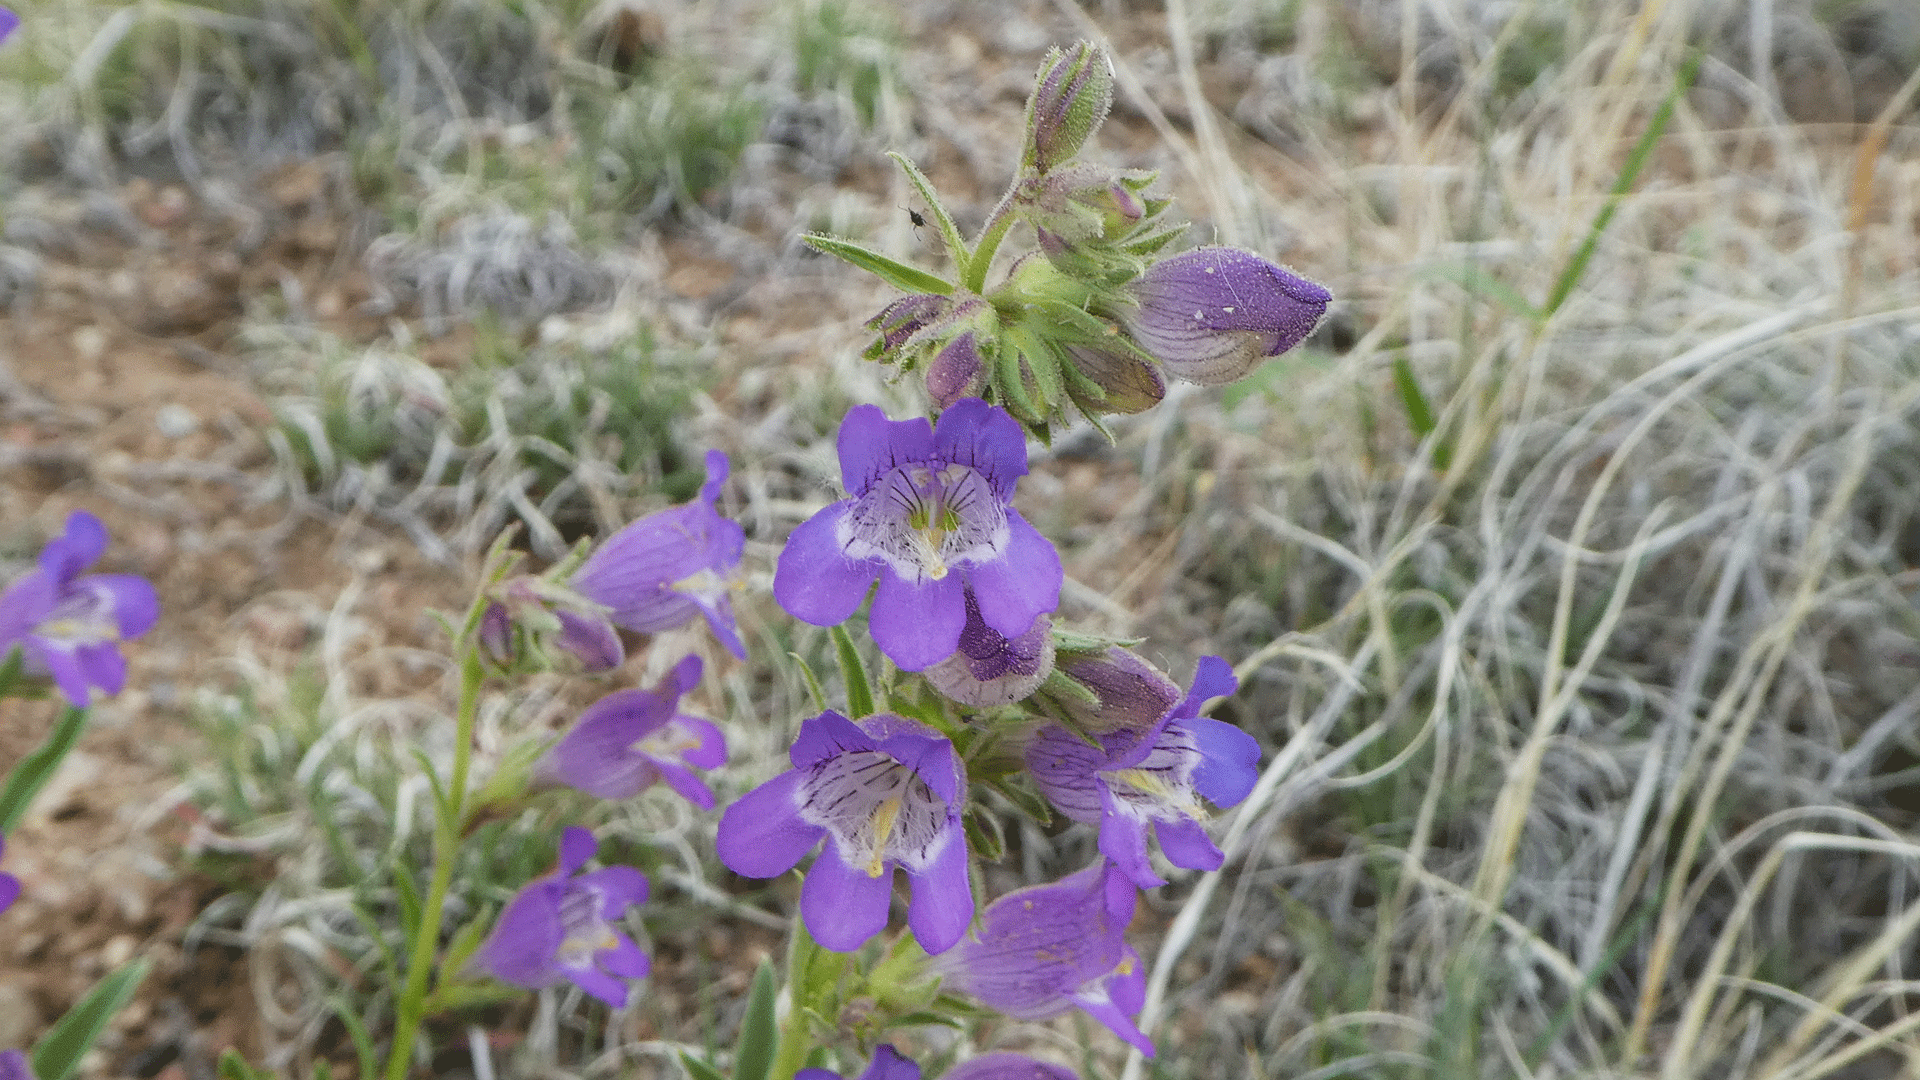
(803,1074)
(719,616)
(761,834)
(683,781)
(887,1064)
(1212,678)
(1185,843)
(577,845)
(955,372)
(1021,585)
(918,626)
(710,748)
(825,736)
(75,549)
(620,887)
(870,444)
(132,599)
(597,755)
(625,959)
(13,1063)
(717,470)
(102,665)
(64,668)
(525,938)
(596,983)
(1209,314)
(1132,692)
(1067,769)
(686,673)
(814,580)
(987,438)
(942,902)
(9,890)
(25,603)
(9,22)
(1007,1067)
(1116,1021)
(1124,840)
(844,906)
(1229,760)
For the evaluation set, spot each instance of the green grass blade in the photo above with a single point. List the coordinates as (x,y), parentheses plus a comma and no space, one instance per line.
(759,1034)
(814,691)
(897,274)
(37,768)
(58,1054)
(1419,411)
(853,673)
(1637,160)
(700,1070)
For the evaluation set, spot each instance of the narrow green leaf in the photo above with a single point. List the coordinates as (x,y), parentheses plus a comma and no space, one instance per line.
(357,1031)
(1476,281)
(853,673)
(234,1067)
(984,835)
(813,683)
(1419,413)
(1630,172)
(466,942)
(753,1054)
(409,896)
(10,670)
(58,1053)
(37,768)
(699,1070)
(949,232)
(897,274)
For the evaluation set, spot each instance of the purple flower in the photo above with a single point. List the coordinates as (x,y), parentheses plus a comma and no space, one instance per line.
(1043,950)
(884,793)
(660,571)
(8,23)
(887,1064)
(1210,314)
(13,1063)
(1152,775)
(990,668)
(69,624)
(561,927)
(9,892)
(631,738)
(1008,1067)
(929,515)
(957,371)
(531,613)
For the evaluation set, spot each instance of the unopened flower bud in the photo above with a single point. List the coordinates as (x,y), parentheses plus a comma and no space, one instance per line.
(992,669)
(1070,99)
(956,372)
(1131,384)
(1212,313)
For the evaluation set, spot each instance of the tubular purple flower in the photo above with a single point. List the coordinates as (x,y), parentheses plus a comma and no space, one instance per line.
(887,1064)
(929,514)
(990,668)
(69,625)
(1210,314)
(1042,950)
(955,372)
(630,739)
(1152,776)
(534,612)
(658,572)
(9,891)
(885,793)
(561,927)
(1008,1067)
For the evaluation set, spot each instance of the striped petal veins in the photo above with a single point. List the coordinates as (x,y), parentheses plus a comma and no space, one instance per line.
(924,519)
(584,931)
(877,809)
(1156,786)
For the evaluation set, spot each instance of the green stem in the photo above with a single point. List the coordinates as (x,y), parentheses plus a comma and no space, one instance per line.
(796,1041)
(37,768)
(449,818)
(994,231)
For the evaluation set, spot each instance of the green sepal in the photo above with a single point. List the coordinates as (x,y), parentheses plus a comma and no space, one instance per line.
(1031,803)
(1040,361)
(853,673)
(814,691)
(57,1055)
(900,982)
(898,274)
(957,249)
(1009,382)
(759,1032)
(466,941)
(985,836)
(511,779)
(698,1069)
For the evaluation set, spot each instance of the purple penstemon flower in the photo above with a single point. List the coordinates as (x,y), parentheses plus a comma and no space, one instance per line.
(887,1064)
(1210,314)
(1042,950)
(929,514)
(1153,775)
(9,22)
(69,625)
(659,572)
(9,885)
(629,739)
(561,927)
(537,612)
(884,793)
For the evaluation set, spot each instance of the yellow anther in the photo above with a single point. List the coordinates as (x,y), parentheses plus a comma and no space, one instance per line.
(884,816)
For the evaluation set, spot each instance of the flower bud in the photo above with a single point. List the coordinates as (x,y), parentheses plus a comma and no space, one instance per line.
(956,372)
(1212,313)
(1130,383)
(1070,99)
(990,668)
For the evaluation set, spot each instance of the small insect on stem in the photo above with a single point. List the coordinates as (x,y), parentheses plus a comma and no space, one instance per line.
(919,220)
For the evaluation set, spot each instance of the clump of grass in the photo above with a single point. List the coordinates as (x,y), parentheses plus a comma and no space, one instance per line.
(553,436)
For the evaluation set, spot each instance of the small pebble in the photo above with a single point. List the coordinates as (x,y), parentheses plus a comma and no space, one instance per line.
(176,421)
